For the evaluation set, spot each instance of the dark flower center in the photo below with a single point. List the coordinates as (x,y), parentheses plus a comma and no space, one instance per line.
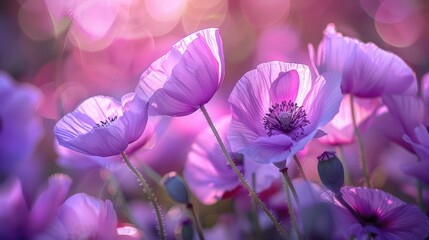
(106,122)
(285,118)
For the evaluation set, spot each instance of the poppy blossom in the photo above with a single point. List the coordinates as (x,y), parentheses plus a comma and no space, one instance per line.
(277,109)
(185,78)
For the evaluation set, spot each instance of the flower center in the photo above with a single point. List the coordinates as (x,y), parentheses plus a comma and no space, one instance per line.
(285,118)
(106,122)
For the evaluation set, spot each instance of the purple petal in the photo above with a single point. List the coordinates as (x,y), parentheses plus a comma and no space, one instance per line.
(45,207)
(14,212)
(20,129)
(187,77)
(418,170)
(404,222)
(206,169)
(88,217)
(367,71)
(250,98)
(285,87)
(81,129)
(323,101)
(410,111)
(269,149)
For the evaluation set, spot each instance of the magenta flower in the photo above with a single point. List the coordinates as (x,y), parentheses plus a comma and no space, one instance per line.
(102,126)
(277,110)
(85,217)
(383,216)
(187,77)
(208,174)
(20,129)
(367,71)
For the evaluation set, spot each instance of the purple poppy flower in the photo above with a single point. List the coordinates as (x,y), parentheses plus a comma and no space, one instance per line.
(208,174)
(84,216)
(277,110)
(20,221)
(102,126)
(367,71)
(409,117)
(187,77)
(421,147)
(20,129)
(383,216)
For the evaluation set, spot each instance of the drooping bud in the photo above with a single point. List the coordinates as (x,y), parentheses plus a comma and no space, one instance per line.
(331,171)
(176,187)
(185,230)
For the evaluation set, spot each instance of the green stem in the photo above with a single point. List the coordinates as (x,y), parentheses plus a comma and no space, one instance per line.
(256,224)
(195,218)
(290,207)
(289,183)
(300,168)
(240,176)
(149,194)
(347,178)
(360,142)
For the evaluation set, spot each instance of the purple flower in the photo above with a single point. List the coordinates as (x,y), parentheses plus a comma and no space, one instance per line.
(187,77)
(84,217)
(383,216)
(208,174)
(102,126)
(409,116)
(277,110)
(20,129)
(367,71)
(20,221)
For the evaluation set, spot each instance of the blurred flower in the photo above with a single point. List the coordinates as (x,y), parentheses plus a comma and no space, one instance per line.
(409,116)
(20,221)
(187,77)
(83,217)
(20,129)
(92,21)
(383,216)
(421,147)
(101,126)
(208,174)
(367,71)
(277,110)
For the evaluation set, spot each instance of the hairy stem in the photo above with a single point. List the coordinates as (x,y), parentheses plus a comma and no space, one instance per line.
(149,194)
(360,142)
(196,220)
(290,207)
(240,176)
(300,168)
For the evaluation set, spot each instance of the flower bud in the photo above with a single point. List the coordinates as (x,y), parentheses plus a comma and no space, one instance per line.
(176,187)
(185,230)
(331,171)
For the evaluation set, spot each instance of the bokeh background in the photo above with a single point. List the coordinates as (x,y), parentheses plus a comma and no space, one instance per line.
(71,50)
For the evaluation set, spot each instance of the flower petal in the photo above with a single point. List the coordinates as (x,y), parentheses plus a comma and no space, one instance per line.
(269,149)
(323,101)
(46,205)
(188,76)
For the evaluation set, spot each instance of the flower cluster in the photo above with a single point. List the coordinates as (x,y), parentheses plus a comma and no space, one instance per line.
(282,122)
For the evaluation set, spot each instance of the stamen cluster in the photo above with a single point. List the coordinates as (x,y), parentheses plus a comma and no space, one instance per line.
(106,122)
(285,118)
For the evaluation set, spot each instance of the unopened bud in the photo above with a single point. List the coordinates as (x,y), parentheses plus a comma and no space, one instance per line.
(176,187)
(331,171)
(185,230)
